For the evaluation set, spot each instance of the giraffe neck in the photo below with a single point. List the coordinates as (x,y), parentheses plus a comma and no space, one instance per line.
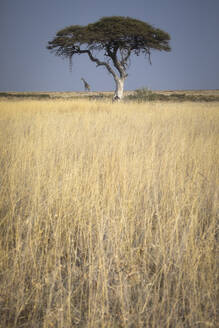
(86,85)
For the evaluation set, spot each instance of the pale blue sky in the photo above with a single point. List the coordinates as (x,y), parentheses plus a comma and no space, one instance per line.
(27,25)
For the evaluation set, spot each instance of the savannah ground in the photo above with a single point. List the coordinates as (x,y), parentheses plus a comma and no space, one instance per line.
(108,214)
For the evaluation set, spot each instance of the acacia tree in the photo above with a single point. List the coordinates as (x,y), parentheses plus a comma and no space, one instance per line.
(117,37)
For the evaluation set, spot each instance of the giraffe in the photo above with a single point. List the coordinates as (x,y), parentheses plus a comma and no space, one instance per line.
(86,85)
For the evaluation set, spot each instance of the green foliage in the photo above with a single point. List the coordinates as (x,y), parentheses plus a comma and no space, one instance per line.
(110,34)
(24,95)
(143,94)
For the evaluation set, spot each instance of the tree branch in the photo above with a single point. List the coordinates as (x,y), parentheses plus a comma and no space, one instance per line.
(100,63)
(149,55)
(125,57)
(120,65)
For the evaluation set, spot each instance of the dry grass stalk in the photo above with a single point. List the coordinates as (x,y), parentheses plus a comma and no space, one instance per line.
(108,214)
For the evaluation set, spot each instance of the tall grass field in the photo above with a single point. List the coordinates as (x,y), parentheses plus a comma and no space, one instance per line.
(108,214)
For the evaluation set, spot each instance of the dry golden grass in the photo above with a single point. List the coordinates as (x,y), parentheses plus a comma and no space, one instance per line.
(108,214)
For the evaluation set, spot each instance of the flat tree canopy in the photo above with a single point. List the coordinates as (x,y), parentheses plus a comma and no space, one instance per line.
(118,37)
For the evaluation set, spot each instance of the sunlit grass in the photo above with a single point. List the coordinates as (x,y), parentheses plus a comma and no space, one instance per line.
(108,214)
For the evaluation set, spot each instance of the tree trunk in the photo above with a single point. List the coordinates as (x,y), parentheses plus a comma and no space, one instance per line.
(119,89)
